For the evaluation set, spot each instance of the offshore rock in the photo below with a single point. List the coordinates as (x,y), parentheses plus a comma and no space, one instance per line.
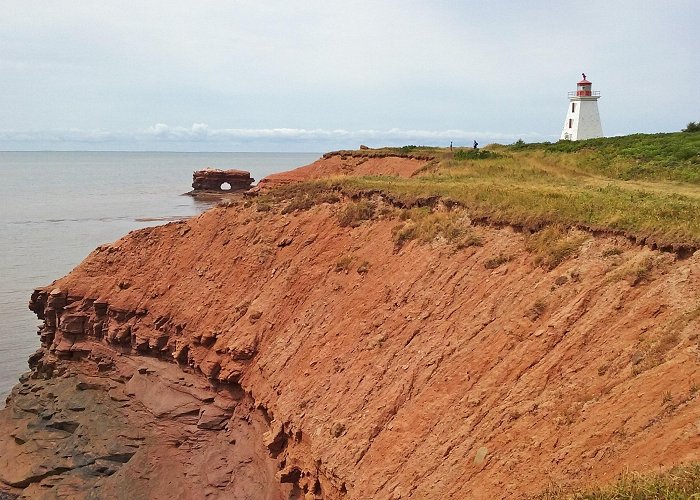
(222,181)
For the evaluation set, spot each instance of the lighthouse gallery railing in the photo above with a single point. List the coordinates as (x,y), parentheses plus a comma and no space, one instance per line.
(584,93)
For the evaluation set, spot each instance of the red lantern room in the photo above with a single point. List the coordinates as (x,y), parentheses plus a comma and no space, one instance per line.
(583,88)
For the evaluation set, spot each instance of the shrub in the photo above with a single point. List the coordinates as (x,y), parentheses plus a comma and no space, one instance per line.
(561,280)
(299,203)
(363,268)
(471,240)
(552,245)
(608,252)
(474,154)
(692,127)
(425,226)
(354,213)
(636,270)
(344,263)
(537,309)
(415,214)
(403,233)
(497,261)
(680,482)
(655,350)
(329,198)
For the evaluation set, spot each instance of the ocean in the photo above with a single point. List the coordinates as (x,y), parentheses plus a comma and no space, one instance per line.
(56,207)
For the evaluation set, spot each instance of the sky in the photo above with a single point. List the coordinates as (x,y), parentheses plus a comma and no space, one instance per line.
(319,75)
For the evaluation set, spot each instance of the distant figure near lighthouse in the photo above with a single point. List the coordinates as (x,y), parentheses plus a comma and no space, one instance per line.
(582,118)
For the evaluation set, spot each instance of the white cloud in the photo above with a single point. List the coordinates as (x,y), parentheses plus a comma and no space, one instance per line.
(332,68)
(201,136)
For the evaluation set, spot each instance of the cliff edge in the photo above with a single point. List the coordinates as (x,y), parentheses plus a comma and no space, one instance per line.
(260,352)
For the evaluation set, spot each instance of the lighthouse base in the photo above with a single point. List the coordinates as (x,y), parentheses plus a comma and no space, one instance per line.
(582,120)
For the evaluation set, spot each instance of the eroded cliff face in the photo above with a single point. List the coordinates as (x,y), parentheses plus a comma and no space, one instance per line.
(357,369)
(100,424)
(350,163)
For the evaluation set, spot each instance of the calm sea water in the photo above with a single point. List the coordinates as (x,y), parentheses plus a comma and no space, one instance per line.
(56,207)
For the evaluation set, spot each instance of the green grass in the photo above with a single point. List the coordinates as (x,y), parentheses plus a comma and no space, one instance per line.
(411,149)
(647,186)
(354,213)
(553,245)
(423,225)
(474,154)
(679,483)
(344,263)
(674,157)
(667,217)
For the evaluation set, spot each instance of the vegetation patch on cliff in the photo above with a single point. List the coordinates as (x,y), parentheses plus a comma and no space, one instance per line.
(645,186)
(354,213)
(677,483)
(426,225)
(553,245)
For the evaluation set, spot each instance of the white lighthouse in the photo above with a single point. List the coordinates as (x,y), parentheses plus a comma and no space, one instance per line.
(582,118)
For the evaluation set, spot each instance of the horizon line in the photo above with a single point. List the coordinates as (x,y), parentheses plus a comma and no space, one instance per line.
(148,151)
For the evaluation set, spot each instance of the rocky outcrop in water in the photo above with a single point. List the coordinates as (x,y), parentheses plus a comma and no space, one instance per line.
(224,181)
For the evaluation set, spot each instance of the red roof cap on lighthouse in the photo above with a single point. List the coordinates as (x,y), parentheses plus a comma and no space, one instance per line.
(584,81)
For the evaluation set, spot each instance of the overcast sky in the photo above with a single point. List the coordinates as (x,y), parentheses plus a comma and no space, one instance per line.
(315,75)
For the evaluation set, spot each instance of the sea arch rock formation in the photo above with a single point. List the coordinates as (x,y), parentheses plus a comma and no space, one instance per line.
(224,181)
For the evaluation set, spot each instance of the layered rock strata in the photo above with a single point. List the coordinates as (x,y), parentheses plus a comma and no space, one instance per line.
(363,369)
(101,424)
(221,181)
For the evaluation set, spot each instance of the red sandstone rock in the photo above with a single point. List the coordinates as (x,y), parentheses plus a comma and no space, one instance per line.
(163,433)
(349,164)
(215,180)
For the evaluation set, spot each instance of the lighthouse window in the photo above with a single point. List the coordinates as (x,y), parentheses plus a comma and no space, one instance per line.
(573,107)
(571,122)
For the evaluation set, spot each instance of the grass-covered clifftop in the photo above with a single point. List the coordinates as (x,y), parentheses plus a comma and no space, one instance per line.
(671,157)
(678,483)
(647,186)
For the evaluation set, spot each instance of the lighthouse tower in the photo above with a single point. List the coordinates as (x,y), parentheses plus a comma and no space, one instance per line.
(582,118)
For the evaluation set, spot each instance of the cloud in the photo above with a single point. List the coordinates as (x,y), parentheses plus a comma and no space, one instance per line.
(338,70)
(202,132)
(200,136)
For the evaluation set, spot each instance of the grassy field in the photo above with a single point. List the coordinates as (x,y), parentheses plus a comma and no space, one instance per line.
(647,186)
(679,483)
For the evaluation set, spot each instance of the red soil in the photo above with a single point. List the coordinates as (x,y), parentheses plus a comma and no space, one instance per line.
(347,165)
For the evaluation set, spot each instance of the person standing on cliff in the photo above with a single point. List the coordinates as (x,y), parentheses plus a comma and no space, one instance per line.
(476,145)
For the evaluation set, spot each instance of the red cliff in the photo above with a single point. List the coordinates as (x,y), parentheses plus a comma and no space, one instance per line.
(253,353)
